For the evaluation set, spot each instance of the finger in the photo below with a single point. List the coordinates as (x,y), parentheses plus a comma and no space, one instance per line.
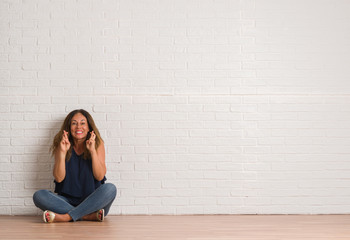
(65,134)
(93,135)
(65,138)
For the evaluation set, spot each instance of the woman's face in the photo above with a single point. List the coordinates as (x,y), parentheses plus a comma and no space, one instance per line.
(79,127)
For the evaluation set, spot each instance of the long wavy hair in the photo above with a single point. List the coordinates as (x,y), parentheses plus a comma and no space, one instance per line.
(66,127)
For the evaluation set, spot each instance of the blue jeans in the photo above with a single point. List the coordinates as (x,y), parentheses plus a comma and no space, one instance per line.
(102,197)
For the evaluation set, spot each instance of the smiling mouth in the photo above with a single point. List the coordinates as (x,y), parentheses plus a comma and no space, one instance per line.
(79,132)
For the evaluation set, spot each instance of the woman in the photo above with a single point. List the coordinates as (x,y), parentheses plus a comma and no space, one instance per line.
(79,173)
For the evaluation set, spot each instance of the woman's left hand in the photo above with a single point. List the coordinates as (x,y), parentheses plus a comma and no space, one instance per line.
(90,143)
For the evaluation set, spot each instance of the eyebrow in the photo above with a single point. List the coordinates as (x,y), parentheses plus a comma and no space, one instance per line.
(77,121)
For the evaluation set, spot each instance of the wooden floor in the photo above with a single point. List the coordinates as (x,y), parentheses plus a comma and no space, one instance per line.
(208,227)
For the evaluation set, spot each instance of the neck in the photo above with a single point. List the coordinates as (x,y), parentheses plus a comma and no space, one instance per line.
(79,147)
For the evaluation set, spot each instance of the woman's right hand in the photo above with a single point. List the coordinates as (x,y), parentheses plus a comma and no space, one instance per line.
(64,144)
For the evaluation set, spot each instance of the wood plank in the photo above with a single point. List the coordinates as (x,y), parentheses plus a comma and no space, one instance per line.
(200,227)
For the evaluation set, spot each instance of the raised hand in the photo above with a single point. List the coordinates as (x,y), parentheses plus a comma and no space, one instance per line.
(64,144)
(90,143)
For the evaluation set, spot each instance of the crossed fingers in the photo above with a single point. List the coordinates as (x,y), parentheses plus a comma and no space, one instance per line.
(65,136)
(92,137)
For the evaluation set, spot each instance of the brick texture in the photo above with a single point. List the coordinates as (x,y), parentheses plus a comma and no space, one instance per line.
(205,106)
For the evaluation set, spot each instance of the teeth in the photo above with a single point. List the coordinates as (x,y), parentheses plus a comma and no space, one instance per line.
(79,132)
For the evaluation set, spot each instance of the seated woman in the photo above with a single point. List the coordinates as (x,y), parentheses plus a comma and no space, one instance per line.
(79,173)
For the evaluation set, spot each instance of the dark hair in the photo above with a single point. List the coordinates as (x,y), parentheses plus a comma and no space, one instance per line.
(66,127)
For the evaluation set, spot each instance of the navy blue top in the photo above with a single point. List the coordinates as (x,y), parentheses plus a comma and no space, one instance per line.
(79,181)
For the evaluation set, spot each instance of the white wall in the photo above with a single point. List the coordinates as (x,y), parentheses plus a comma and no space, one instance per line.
(206,107)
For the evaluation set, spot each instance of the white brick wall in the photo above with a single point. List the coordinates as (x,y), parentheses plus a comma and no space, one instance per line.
(206,106)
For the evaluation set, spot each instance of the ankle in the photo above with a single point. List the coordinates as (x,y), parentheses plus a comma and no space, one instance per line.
(63,217)
(67,217)
(90,217)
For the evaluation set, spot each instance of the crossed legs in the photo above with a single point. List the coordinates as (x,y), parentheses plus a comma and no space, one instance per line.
(101,198)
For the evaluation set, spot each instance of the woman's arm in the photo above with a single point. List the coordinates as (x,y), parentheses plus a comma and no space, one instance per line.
(98,163)
(98,157)
(59,169)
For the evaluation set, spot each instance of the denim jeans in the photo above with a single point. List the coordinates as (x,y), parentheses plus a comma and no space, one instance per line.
(102,197)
